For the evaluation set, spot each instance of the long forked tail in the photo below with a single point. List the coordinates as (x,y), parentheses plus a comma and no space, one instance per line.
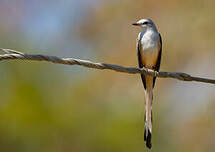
(148,117)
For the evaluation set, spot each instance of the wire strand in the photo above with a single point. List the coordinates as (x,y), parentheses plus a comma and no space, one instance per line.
(16,55)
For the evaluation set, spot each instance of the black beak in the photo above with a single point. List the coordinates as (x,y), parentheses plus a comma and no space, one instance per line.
(135,24)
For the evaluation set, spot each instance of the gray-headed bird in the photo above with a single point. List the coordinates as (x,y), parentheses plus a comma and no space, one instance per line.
(149,49)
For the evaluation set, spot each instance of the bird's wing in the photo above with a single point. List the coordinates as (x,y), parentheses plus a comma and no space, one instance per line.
(139,48)
(157,66)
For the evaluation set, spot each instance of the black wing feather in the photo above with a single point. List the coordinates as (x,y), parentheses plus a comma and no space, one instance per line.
(157,66)
(140,61)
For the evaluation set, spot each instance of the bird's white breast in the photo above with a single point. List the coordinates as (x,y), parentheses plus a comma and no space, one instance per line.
(150,47)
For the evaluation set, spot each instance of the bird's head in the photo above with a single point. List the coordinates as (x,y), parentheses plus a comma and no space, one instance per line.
(145,23)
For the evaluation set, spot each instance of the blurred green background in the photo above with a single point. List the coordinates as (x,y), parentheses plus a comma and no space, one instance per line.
(58,108)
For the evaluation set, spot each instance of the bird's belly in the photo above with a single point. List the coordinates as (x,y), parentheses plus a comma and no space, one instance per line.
(149,57)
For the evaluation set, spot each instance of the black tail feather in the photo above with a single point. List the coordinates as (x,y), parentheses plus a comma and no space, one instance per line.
(148,138)
(148,119)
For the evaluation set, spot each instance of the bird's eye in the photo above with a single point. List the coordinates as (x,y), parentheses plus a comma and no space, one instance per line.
(145,23)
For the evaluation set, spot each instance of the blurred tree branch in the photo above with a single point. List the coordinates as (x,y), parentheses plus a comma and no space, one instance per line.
(12,54)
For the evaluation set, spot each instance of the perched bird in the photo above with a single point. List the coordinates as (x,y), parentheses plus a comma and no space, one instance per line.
(149,49)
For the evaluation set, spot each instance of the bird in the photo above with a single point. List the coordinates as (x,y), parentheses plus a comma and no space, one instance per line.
(149,51)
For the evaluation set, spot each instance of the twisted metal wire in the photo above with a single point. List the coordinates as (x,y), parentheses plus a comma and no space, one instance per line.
(15,55)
